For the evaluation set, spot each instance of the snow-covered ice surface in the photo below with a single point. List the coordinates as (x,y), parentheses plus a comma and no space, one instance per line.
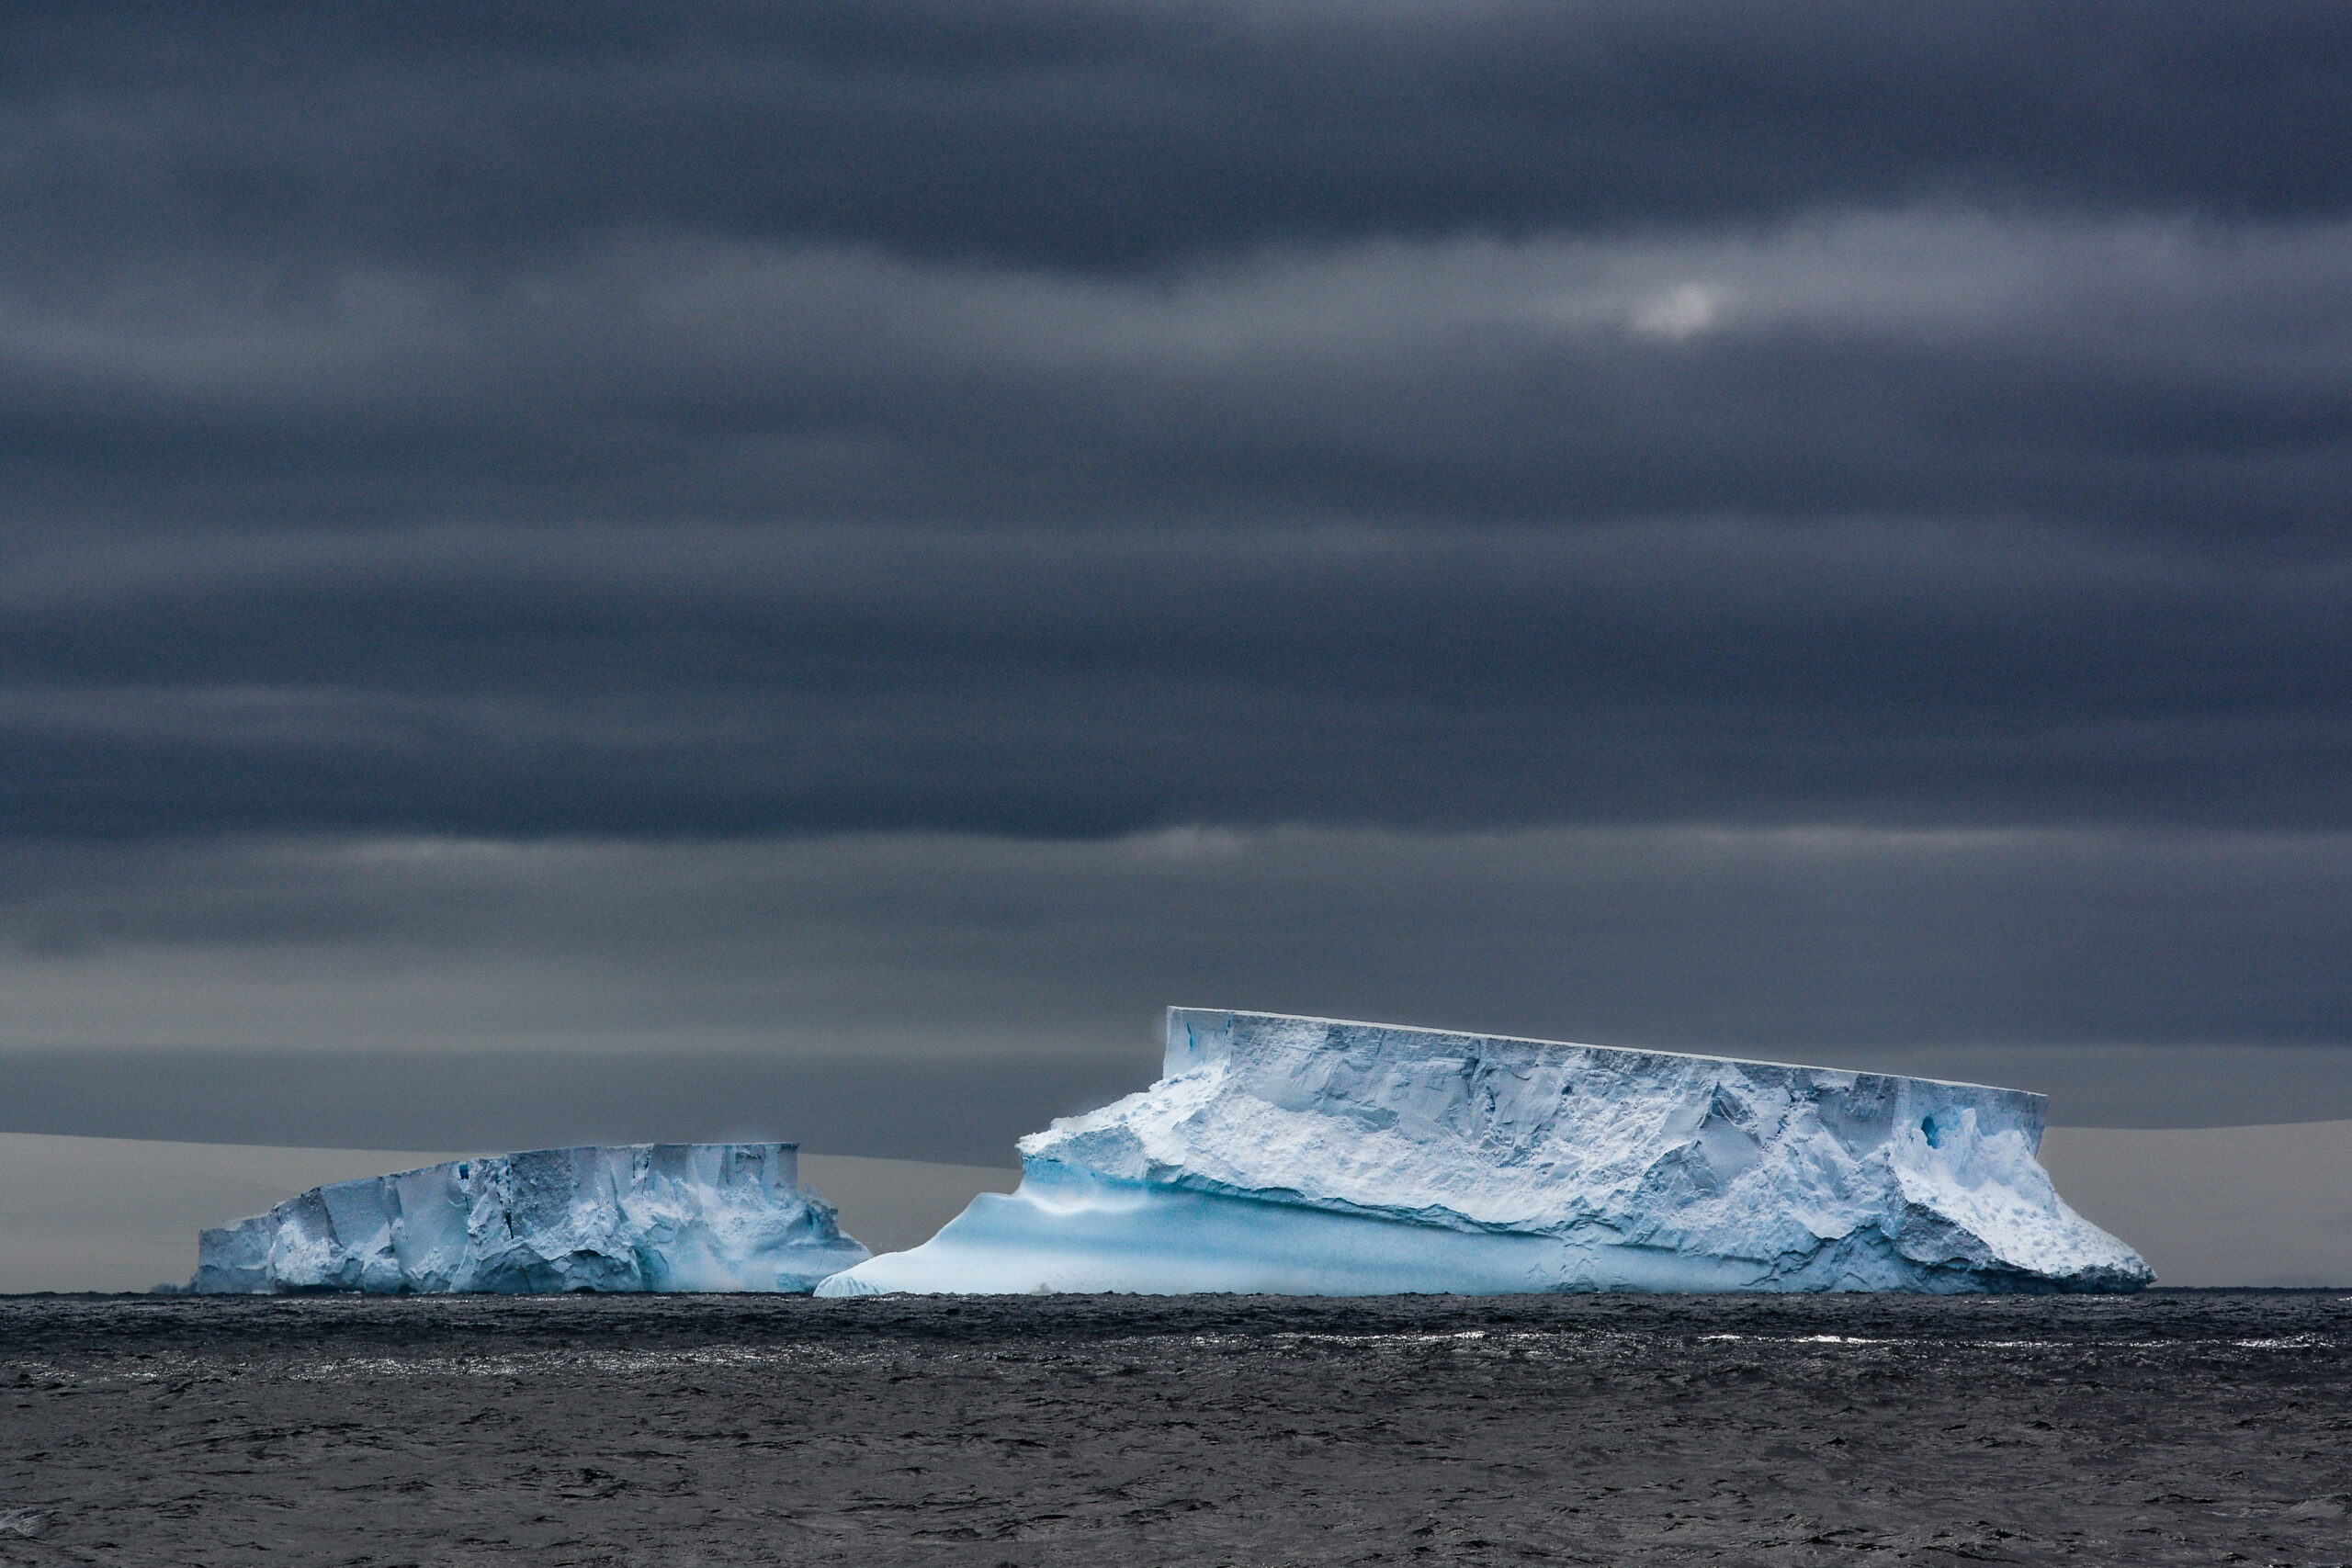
(634,1217)
(1306,1156)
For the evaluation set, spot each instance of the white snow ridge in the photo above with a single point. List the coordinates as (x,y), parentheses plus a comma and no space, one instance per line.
(1302,1155)
(637,1217)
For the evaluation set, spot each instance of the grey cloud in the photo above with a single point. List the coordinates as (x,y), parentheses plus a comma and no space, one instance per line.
(1927,363)
(715,680)
(1446,461)
(913,994)
(1125,135)
(1682,936)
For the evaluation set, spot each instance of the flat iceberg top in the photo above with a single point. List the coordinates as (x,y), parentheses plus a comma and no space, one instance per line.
(1197,1033)
(624,1218)
(1580,1167)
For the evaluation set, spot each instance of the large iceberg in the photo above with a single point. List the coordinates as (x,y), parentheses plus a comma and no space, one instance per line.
(640,1217)
(1304,1155)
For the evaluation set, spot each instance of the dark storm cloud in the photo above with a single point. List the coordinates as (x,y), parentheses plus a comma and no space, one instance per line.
(2139,373)
(1099,136)
(702,681)
(1512,441)
(1917,517)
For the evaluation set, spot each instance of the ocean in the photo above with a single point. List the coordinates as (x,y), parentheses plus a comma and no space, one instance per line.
(2172,1426)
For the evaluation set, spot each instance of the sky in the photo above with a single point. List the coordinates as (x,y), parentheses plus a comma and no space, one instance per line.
(633,570)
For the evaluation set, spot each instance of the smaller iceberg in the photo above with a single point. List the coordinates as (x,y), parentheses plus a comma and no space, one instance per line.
(635,1217)
(1312,1156)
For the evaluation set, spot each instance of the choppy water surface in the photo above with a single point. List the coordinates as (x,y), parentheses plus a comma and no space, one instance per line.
(2170,1428)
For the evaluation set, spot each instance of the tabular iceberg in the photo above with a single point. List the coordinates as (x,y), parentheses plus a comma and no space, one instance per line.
(1304,1156)
(640,1217)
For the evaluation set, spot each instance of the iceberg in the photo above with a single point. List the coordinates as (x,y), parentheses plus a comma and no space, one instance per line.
(1308,1156)
(640,1217)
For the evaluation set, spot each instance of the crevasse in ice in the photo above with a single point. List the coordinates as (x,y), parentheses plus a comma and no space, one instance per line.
(641,1217)
(1313,1157)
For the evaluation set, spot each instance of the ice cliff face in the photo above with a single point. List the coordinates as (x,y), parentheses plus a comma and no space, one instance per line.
(1301,1155)
(647,1217)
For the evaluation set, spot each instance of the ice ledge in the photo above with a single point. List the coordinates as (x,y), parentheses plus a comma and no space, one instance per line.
(1321,1155)
(631,1217)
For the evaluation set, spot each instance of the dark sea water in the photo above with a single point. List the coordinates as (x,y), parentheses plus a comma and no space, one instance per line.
(2168,1428)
